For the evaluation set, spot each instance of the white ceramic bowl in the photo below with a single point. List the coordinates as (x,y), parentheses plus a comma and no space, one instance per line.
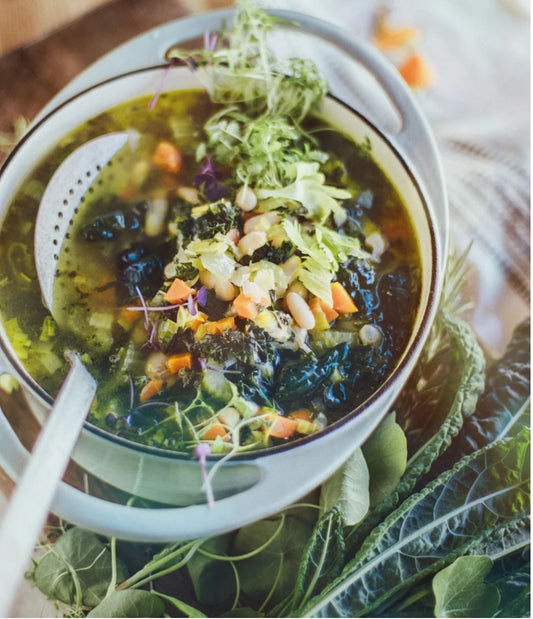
(252,486)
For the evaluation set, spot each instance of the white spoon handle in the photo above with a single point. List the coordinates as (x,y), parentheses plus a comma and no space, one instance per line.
(28,507)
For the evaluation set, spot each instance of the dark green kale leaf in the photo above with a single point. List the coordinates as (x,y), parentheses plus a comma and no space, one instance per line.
(250,358)
(218,218)
(277,255)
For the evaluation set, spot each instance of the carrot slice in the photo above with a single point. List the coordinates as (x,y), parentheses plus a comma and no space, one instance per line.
(342,302)
(167,157)
(321,318)
(179,362)
(214,327)
(282,427)
(301,413)
(245,307)
(152,387)
(387,38)
(329,312)
(216,429)
(416,72)
(178,291)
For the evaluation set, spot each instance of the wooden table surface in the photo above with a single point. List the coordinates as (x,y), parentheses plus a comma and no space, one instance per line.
(30,76)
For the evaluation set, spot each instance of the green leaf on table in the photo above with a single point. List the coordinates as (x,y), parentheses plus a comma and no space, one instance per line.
(130,603)
(323,557)
(77,570)
(385,453)
(504,406)
(480,499)
(461,591)
(247,613)
(438,425)
(185,609)
(213,580)
(512,575)
(348,489)
(440,394)
(274,568)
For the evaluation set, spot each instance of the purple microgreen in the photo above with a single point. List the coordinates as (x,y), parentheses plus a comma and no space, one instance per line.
(210,41)
(144,309)
(207,182)
(191,306)
(191,64)
(202,363)
(132,391)
(201,451)
(201,296)
(153,308)
(150,342)
(159,87)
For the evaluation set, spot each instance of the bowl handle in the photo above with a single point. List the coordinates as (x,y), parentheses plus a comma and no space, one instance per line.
(283,479)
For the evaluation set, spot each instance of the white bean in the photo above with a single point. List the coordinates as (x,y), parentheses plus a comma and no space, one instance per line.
(225,290)
(290,266)
(246,199)
(377,243)
(233,235)
(139,173)
(299,289)
(189,194)
(155,217)
(229,416)
(369,334)
(170,270)
(156,365)
(208,279)
(261,222)
(252,241)
(300,311)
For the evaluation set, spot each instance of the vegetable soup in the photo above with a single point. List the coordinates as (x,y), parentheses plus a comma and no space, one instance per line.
(241,273)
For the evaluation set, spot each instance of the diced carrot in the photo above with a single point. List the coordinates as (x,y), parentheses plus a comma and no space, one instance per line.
(330,313)
(282,427)
(198,321)
(301,413)
(245,307)
(168,157)
(342,302)
(304,422)
(416,72)
(179,362)
(224,324)
(151,388)
(214,430)
(127,316)
(178,291)
(214,327)
(387,38)
(321,321)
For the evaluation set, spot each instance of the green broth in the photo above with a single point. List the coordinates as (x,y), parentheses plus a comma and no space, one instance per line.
(90,300)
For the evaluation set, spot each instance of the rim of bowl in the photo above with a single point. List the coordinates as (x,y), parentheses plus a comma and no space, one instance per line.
(407,355)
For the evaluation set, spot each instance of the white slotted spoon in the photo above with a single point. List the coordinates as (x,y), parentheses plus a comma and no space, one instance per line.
(28,507)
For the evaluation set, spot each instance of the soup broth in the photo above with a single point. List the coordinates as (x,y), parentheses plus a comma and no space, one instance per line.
(207,311)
